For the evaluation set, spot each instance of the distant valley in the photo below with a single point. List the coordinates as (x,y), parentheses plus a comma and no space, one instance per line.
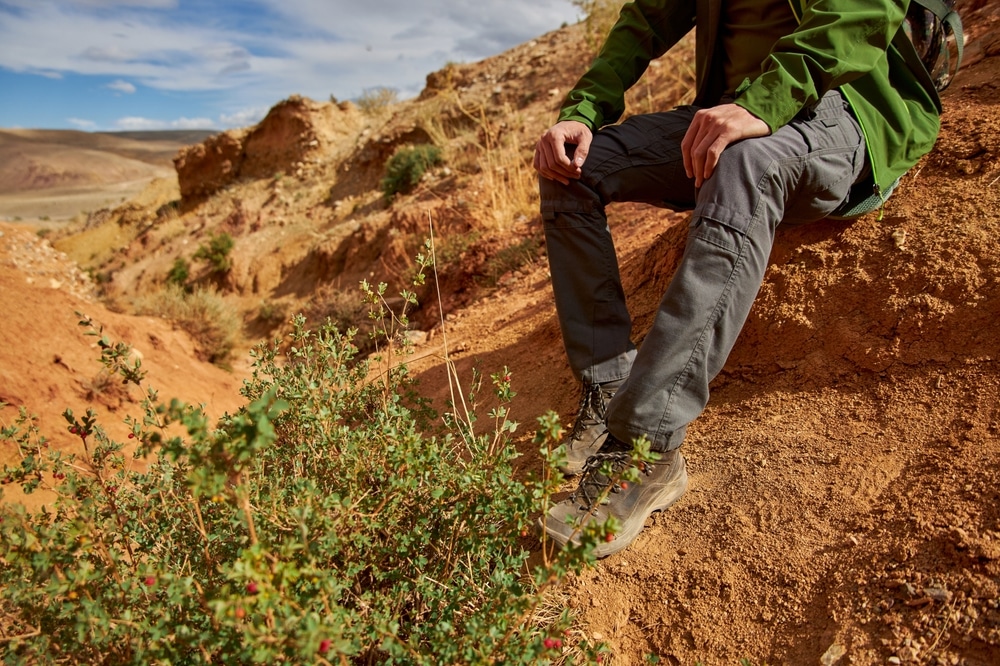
(49,177)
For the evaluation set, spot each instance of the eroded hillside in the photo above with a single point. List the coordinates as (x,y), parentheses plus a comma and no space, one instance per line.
(844,500)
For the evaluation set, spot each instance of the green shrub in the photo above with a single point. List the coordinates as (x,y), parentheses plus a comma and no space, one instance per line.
(511,258)
(333,519)
(407,166)
(216,252)
(179,272)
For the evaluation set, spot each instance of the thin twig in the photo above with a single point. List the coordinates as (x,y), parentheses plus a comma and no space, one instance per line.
(449,365)
(19,637)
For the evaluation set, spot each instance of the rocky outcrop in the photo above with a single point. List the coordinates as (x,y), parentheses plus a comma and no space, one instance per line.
(294,132)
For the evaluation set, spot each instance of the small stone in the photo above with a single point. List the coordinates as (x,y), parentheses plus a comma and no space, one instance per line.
(416,337)
(899,238)
(833,654)
(937,593)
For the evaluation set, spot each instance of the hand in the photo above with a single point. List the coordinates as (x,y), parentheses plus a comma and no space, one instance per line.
(552,158)
(711,131)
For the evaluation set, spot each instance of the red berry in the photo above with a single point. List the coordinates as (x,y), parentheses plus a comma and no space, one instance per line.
(624,485)
(324,645)
(549,643)
(609,537)
(131,435)
(252,588)
(150,581)
(240,613)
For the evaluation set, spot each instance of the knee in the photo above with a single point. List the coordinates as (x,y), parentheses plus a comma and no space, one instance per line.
(576,197)
(746,160)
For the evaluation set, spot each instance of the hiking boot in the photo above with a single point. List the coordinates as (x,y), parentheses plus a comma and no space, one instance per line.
(661,484)
(589,428)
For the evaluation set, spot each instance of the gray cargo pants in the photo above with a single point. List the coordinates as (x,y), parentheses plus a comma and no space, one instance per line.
(801,173)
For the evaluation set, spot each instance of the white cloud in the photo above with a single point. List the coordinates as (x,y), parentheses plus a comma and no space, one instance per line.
(249,55)
(315,42)
(86,125)
(122,87)
(143,47)
(244,117)
(148,4)
(133,123)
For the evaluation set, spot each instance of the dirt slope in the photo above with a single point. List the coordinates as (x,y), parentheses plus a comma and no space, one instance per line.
(844,485)
(844,497)
(47,364)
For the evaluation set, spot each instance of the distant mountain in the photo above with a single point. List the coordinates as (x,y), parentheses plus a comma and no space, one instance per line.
(56,174)
(156,148)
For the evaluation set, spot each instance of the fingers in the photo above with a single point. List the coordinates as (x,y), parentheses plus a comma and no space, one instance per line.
(702,145)
(710,132)
(562,150)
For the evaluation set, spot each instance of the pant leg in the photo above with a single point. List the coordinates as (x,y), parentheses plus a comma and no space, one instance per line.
(639,160)
(800,173)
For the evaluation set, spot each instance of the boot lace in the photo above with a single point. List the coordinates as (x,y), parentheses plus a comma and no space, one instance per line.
(592,411)
(594,482)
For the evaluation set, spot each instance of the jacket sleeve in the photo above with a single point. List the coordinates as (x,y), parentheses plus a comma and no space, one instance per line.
(836,42)
(645,30)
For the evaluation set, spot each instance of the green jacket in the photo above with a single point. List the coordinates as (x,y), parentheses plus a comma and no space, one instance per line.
(843,44)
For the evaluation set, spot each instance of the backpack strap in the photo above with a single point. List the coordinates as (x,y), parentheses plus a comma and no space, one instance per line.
(950,22)
(913,63)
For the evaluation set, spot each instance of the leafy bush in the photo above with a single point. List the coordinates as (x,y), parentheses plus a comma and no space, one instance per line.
(333,519)
(179,272)
(407,166)
(212,322)
(511,258)
(216,252)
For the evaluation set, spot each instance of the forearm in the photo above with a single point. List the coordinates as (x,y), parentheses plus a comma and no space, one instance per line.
(645,30)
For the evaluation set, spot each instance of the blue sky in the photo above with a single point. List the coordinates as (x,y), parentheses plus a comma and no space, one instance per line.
(107,65)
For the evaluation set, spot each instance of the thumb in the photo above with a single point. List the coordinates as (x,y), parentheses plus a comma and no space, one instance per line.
(582,149)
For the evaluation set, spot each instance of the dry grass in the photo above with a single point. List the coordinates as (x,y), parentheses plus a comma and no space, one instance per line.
(205,314)
(509,180)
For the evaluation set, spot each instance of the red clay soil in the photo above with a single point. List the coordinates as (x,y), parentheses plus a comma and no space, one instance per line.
(844,491)
(48,364)
(845,501)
